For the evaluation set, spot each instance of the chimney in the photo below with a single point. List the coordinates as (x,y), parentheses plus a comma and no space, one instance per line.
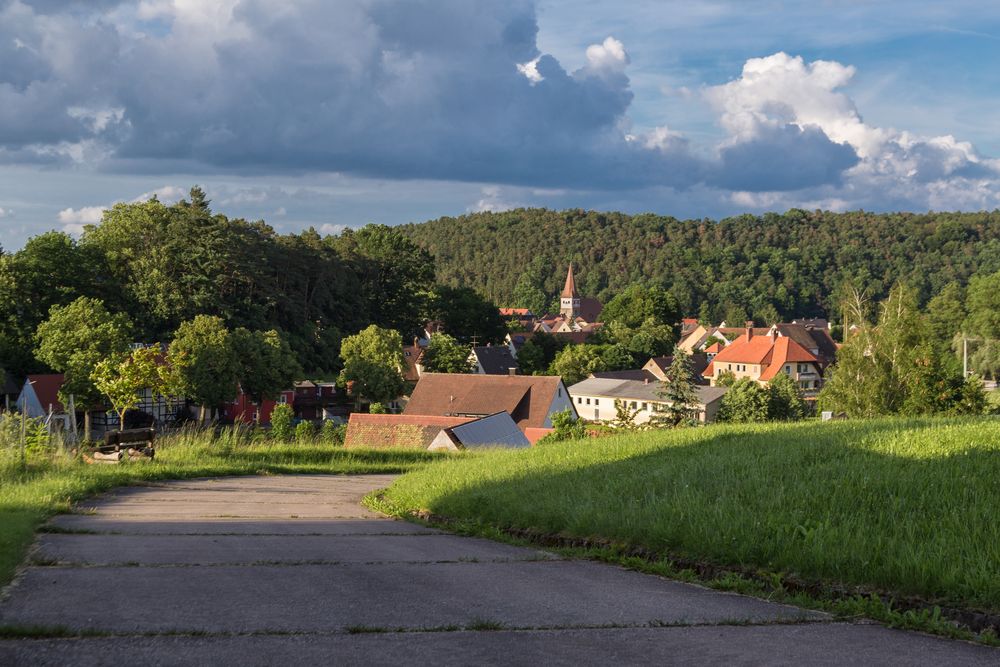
(512,371)
(749,324)
(645,380)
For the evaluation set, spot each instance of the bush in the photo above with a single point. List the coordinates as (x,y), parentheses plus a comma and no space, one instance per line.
(305,432)
(376,408)
(566,426)
(332,433)
(281,422)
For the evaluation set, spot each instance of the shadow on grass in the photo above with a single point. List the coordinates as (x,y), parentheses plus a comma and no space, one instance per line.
(908,506)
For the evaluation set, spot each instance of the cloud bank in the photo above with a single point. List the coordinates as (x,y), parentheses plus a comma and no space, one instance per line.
(443,90)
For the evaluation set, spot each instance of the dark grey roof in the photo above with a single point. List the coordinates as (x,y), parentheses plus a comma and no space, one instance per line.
(495,359)
(635,390)
(631,374)
(497,430)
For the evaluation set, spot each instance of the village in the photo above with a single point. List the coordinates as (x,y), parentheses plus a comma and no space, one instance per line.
(493,403)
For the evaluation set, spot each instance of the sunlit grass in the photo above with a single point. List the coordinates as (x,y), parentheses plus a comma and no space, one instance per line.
(907,506)
(54,479)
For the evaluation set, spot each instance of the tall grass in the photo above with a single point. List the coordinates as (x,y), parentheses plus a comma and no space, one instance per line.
(54,478)
(907,506)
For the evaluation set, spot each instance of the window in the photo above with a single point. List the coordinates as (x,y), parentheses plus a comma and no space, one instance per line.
(282,399)
(559,392)
(597,413)
(645,406)
(597,401)
(632,405)
(788,370)
(588,401)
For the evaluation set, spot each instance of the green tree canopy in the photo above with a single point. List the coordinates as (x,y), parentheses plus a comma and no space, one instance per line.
(745,402)
(266,365)
(74,339)
(680,391)
(576,362)
(121,377)
(466,315)
(373,362)
(785,402)
(637,304)
(445,355)
(204,362)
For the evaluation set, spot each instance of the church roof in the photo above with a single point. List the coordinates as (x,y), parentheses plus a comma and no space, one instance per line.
(569,290)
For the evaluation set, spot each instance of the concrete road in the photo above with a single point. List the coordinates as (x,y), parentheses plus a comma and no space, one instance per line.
(278,570)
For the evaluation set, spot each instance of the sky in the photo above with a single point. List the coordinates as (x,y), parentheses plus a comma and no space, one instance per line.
(309,113)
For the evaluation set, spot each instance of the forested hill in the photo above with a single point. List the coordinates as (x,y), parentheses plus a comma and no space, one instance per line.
(797,263)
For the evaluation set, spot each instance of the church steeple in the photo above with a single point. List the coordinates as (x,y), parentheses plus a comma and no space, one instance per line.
(569,300)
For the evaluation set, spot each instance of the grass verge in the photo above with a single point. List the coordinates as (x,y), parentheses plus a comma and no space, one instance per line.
(889,519)
(53,482)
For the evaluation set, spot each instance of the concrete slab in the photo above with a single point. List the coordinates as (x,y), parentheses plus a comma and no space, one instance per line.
(149,550)
(819,645)
(223,526)
(316,598)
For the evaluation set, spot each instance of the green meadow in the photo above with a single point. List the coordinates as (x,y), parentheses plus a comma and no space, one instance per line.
(909,507)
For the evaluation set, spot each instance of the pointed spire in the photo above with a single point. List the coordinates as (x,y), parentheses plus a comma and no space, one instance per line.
(569,291)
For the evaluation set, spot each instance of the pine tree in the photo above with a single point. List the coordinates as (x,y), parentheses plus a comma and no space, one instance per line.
(680,391)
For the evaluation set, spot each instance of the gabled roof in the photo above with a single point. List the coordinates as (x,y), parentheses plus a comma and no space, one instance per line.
(410,431)
(411,356)
(495,359)
(46,388)
(569,289)
(769,351)
(526,397)
(496,430)
(512,312)
(714,348)
(786,351)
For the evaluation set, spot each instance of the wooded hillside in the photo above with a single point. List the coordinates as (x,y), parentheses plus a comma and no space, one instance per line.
(785,265)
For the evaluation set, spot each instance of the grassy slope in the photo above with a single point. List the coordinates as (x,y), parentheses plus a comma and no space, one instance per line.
(52,486)
(908,506)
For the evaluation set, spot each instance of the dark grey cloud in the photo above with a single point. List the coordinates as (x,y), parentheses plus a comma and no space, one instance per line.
(784,157)
(446,90)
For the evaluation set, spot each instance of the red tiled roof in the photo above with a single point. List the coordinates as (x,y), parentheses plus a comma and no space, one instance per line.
(536,434)
(714,348)
(786,351)
(508,312)
(526,397)
(407,431)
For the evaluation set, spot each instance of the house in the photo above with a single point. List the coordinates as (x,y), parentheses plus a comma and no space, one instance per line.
(523,316)
(496,430)
(314,400)
(243,409)
(762,357)
(407,431)
(658,366)
(493,360)
(413,359)
(595,398)
(529,400)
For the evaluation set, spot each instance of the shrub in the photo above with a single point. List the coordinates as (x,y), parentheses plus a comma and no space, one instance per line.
(281,422)
(376,408)
(305,432)
(332,433)
(566,426)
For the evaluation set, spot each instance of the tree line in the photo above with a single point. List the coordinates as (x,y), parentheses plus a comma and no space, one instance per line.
(165,265)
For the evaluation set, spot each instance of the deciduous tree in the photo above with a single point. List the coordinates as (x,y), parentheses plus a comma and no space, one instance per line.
(373,362)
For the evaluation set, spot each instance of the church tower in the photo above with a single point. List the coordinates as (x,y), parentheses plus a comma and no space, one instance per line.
(569,300)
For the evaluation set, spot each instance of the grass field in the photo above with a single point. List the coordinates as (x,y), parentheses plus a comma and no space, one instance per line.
(54,481)
(911,507)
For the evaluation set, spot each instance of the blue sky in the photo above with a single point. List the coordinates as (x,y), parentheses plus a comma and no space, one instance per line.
(333,115)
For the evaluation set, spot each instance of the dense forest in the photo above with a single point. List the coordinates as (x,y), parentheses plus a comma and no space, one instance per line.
(768,267)
(164,265)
